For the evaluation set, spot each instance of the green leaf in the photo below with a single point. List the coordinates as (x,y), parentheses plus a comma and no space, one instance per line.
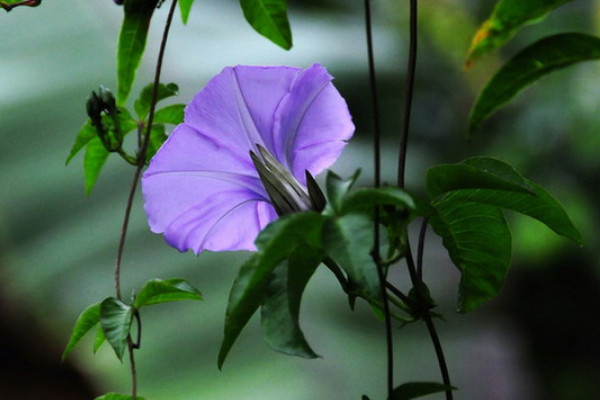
(143,103)
(172,114)
(336,189)
(413,390)
(100,339)
(159,291)
(126,121)
(116,396)
(539,205)
(269,18)
(364,200)
(93,161)
(87,133)
(185,7)
(132,41)
(507,18)
(475,173)
(275,243)
(479,243)
(281,307)
(86,321)
(348,240)
(534,62)
(490,181)
(157,138)
(115,319)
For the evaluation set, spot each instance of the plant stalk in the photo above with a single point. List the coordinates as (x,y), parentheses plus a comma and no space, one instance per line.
(141,160)
(408,93)
(377,172)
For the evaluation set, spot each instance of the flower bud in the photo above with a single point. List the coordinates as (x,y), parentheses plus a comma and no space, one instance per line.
(109,104)
(286,193)
(94,108)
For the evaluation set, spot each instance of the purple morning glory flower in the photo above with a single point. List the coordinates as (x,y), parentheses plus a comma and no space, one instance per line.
(202,189)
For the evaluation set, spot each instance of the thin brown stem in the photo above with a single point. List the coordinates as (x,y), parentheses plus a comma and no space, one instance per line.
(408,93)
(416,281)
(131,347)
(421,248)
(377,171)
(141,160)
(439,352)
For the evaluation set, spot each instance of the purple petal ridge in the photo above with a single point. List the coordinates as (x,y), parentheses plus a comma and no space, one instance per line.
(201,189)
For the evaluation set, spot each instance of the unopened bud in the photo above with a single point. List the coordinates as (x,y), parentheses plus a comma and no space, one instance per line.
(108,100)
(94,107)
(286,193)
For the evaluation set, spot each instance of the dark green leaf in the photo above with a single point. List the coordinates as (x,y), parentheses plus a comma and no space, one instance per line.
(126,121)
(539,205)
(115,319)
(115,396)
(87,133)
(534,62)
(100,339)
(93,161)
(475,173)
(479,243)
(157,138)
(86,321)
(336,189)
(348,240)
(413,390)
(508,17)
(172,114)
(281,307)
(365,199)
(159,291)
(489,181)
(132,41)
(275,243)
(143,103)
(185,6)
(269,18)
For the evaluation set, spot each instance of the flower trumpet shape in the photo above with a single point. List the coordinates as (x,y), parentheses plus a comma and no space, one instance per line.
(248,139)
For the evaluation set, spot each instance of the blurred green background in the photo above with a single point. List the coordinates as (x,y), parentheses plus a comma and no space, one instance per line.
(538,340)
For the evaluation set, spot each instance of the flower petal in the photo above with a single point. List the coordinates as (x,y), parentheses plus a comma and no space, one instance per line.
(191,197)
(236,107)
(312,124)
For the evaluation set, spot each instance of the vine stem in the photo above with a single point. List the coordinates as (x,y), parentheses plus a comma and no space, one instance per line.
(420,250)
(408,93)
(437,345)
(377,171)
(141,159)
(439,352)
(131,348)
(417,271)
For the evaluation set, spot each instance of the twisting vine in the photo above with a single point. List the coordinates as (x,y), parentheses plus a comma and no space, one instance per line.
(377,172)
(416,271)
(141,158)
